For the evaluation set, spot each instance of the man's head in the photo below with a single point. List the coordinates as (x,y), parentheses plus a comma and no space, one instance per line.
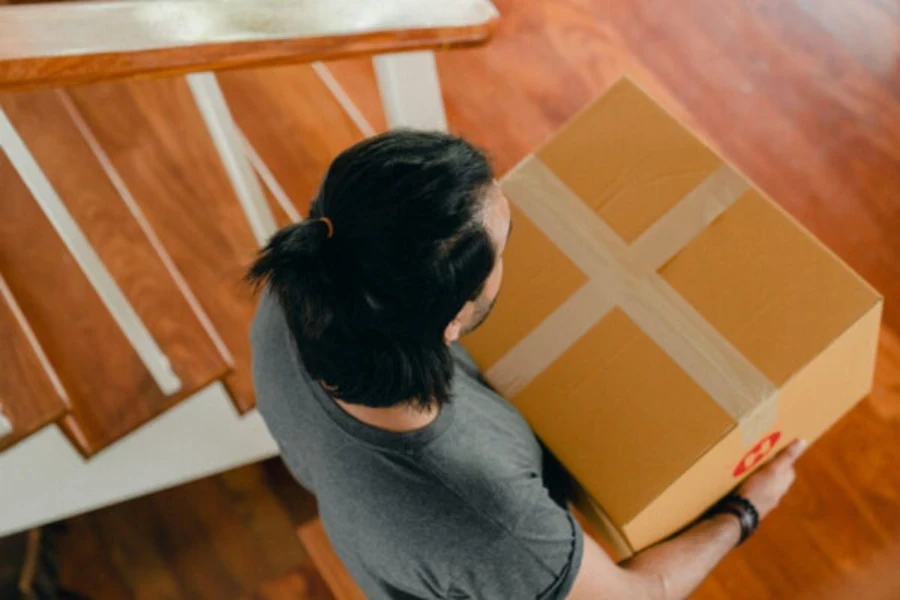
(495,217)
(413,263)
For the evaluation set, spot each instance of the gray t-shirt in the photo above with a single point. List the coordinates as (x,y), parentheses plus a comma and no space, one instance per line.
(457,509)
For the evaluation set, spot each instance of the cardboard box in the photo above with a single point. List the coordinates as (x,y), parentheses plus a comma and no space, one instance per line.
(664,326)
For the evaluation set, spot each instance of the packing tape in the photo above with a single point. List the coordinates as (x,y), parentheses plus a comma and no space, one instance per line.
(626,277)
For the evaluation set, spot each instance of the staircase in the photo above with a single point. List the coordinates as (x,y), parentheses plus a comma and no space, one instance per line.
(131,206)
(33,394)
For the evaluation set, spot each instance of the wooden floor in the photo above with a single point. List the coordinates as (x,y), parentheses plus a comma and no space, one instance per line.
(230,536)
(802,96)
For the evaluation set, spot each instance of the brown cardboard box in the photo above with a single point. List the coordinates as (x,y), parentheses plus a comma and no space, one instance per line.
(664,326)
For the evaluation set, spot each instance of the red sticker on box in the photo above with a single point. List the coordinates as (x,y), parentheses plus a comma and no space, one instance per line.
(757,453)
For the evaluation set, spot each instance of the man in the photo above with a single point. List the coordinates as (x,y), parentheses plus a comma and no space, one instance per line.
(429,484)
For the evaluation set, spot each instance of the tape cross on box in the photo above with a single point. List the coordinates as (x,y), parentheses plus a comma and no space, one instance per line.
(626,277)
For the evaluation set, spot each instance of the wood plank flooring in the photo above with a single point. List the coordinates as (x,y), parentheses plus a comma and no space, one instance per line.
(224,537)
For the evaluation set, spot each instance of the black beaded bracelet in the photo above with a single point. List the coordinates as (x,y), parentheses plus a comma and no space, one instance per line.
(743,509)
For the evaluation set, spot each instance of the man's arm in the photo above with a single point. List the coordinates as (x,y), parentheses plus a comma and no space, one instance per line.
(673,569)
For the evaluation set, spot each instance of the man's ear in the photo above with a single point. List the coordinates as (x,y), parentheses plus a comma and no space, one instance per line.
(453,330)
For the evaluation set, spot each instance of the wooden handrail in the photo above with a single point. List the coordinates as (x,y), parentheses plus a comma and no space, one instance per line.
(69,43)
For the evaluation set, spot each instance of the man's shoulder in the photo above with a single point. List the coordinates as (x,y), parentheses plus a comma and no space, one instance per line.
(267,318)
(495,492)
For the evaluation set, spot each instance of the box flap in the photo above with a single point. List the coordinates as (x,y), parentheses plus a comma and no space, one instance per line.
(769,287)
(621,416)
(628,159)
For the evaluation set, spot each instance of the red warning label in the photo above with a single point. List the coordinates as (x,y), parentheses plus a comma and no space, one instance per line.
(757,454)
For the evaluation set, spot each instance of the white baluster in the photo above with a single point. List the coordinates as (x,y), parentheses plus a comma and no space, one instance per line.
(410,90)
(230,144)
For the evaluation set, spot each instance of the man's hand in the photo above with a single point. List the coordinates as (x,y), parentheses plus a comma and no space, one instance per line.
(765,488)
(672,569)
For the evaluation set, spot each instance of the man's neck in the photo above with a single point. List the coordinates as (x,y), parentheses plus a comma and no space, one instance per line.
(399,419)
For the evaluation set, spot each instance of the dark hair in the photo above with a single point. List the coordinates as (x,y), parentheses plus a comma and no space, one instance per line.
(368,306)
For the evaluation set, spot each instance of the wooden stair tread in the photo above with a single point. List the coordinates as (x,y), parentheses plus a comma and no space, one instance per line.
(89,352)
(293,122)
(335,574)
(110,388)
(69,42)
(157,140)
(302,583)
(30,396)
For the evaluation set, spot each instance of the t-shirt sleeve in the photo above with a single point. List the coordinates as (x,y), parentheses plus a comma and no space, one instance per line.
(537,558)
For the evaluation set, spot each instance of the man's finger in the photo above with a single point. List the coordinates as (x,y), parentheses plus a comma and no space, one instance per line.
(793,452)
